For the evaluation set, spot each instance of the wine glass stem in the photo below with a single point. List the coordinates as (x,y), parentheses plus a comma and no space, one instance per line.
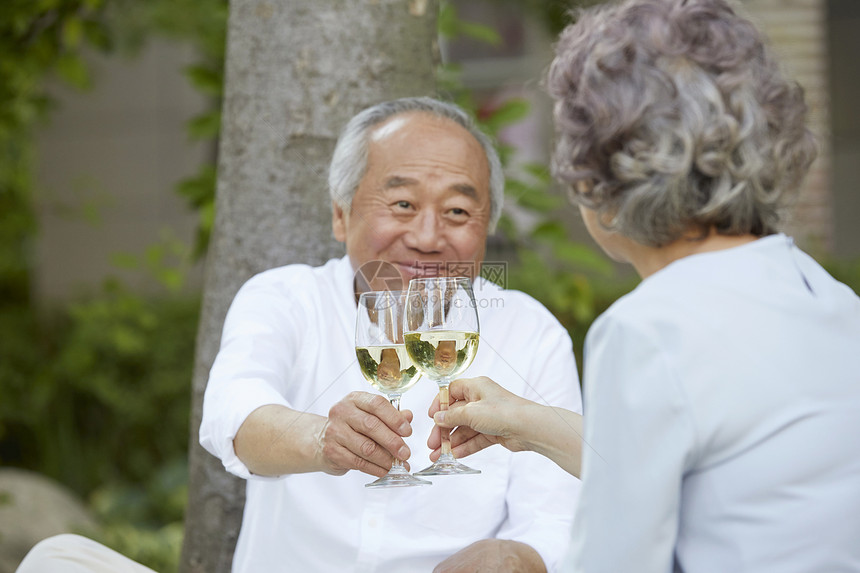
(397,466)
(444,401)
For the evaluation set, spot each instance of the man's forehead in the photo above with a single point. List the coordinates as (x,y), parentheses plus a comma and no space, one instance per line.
(388,128)
(418,120)
(396,123)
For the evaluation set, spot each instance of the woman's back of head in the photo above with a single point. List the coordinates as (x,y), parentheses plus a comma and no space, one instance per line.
(676,117)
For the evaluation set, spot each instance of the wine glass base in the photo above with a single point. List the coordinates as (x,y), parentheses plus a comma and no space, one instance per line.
(447,468)
(398,480)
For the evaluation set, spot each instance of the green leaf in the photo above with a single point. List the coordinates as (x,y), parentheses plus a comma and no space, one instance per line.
(172,279)
(46,5)
(71,68)
(539,171)
(97,36)
(449,25)
(509,113)
(539,201)
(205,126)
(583,257)
(125,260)
(207,215)
(517,187)
(446,21)
(550,231)
(199,189)
(480,32)
(72,33)
(206,79)
(506,227)
(154,255)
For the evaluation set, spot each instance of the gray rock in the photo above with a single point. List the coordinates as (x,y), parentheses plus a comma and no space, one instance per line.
(33,507)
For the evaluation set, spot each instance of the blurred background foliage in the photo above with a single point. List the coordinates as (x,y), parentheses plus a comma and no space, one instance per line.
(96,392)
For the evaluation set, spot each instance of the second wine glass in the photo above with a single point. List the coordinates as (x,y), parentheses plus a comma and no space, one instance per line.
(441,334)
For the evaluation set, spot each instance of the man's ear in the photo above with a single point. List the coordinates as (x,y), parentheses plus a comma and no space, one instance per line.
(338,222)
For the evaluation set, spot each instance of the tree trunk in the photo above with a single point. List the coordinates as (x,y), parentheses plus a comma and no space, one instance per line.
(296,72)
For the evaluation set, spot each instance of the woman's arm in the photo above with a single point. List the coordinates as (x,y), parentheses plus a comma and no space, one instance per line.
(484,414)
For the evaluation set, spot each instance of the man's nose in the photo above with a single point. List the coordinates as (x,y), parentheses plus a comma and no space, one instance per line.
(426,233)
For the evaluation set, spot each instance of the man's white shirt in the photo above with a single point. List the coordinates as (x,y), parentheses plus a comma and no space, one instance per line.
(289,339)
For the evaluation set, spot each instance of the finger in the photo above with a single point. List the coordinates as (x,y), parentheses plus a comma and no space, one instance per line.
(457,388)
(456,415)
(461,435)
(435,439)
(409,416)
(458,436)
(365,434)
(341,457)
(345,448)
(466,388)
(434,455)
(434,406)
(474,444)
(382,409)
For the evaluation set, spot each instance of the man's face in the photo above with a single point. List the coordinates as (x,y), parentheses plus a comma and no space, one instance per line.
(424,202)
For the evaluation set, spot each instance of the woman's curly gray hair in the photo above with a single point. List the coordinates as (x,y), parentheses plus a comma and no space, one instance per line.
(672,116)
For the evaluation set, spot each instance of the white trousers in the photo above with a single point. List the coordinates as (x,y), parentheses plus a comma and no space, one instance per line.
(68,553)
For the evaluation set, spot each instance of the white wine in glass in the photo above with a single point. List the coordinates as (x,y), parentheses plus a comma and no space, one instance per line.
(388,368)
(441,335)
(384,362)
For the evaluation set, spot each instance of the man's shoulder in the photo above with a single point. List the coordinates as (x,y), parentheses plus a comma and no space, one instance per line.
(296,273)
(296,282)
(486,290)
(510,304)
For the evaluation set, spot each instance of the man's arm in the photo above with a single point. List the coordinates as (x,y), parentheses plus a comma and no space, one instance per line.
(248,421)
(363,432)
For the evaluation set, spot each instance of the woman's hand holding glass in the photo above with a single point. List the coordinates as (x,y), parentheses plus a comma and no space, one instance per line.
(441,334)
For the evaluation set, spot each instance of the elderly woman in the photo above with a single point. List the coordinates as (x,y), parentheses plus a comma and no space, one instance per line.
(722,394)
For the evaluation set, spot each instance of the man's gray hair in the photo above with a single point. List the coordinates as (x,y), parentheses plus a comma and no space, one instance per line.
(349,161)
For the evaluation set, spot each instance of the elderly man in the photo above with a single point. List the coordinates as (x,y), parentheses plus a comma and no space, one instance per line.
(415,187)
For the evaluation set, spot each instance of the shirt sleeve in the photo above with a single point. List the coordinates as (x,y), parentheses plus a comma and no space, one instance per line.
(639,441)
(258,345)
(542,497)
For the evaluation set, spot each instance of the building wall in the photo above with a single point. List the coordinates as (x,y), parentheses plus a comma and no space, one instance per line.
(844,51)
(107,164)
(797,30)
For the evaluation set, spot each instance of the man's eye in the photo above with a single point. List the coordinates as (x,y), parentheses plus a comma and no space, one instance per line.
(404,204)
(458,211)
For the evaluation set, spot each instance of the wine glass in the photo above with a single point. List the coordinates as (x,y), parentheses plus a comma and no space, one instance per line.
(441,334)
(384,362)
